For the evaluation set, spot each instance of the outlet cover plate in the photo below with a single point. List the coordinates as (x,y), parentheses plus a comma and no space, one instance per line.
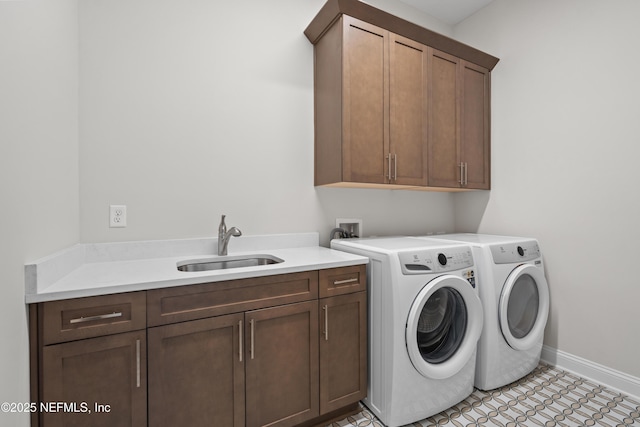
(117,216)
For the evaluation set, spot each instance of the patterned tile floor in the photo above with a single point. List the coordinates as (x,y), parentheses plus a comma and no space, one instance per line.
(547,397)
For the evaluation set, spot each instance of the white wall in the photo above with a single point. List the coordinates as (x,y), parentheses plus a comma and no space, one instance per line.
(191,109)
(38,164)
(565,144)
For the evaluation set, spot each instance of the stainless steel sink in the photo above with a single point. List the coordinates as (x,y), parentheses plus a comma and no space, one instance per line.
(226,262)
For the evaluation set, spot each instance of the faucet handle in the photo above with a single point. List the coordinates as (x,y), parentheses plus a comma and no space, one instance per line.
(222,228)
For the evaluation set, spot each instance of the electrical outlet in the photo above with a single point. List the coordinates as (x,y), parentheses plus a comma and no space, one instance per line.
(117,216)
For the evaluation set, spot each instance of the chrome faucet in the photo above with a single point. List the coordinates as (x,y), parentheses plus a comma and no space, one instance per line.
(224,236)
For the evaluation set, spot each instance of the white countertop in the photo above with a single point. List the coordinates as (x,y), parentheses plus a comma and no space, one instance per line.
(107,268)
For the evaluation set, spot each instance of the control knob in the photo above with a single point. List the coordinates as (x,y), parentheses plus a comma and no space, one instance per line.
(442,259)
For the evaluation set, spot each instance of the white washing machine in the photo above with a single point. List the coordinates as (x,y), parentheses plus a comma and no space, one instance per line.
(515,297)
(425,318)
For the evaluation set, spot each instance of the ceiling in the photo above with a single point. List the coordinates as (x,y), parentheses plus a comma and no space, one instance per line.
(449,11)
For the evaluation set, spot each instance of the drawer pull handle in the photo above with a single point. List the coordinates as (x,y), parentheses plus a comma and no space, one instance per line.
(240,339)
(99,317)
(138,363)
(342,282)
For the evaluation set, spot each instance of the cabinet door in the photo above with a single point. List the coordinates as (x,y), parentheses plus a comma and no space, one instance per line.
(196,373)
(343,351)
(282,365)
(475,117)
(408,111)
(365,106)
(444,137)
(108,371)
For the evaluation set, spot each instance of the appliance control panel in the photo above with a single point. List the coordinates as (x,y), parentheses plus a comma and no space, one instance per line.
(440,260)
(509,253)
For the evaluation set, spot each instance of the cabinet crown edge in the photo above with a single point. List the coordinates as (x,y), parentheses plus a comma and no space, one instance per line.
(333,9)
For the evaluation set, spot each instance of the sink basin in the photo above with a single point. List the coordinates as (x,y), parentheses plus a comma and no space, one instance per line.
(226,262)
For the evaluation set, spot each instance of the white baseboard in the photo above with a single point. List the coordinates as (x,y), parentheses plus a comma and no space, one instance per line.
(620,381)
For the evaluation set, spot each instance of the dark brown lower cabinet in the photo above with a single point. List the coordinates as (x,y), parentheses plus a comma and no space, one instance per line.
(343,351)
(197,369)
(96,382)
(237,353)
(282,365)
(196,373)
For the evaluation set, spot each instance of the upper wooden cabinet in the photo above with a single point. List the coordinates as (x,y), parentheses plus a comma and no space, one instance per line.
(393,112)
(371,93)
(459,144)
(408,68)
(362,95)
(475,126)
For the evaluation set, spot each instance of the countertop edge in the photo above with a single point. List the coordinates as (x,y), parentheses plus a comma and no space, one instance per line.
(87,281)
(146,286)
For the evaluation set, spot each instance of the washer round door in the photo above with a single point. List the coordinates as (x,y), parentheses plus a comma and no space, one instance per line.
(524,307)
(443,327)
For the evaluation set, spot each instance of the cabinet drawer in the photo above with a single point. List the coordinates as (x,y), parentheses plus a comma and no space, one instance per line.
(343,280)
(183,303)
(80,318)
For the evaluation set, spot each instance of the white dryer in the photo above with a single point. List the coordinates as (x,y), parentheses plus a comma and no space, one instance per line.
(515,296)
(425,318)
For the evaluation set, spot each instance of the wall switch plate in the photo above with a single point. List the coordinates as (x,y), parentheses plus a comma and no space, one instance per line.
(353,226)
(117,216)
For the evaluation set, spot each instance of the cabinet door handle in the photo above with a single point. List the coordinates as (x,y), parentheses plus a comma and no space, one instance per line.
(252,323)
(466,174)
(389,167)
(240,340)
(98,317)
(395,168)
(325,308)
(345,281)
(461,181)
(138,363)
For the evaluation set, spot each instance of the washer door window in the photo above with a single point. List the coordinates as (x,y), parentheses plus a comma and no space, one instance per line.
(443,327)
(524,307)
